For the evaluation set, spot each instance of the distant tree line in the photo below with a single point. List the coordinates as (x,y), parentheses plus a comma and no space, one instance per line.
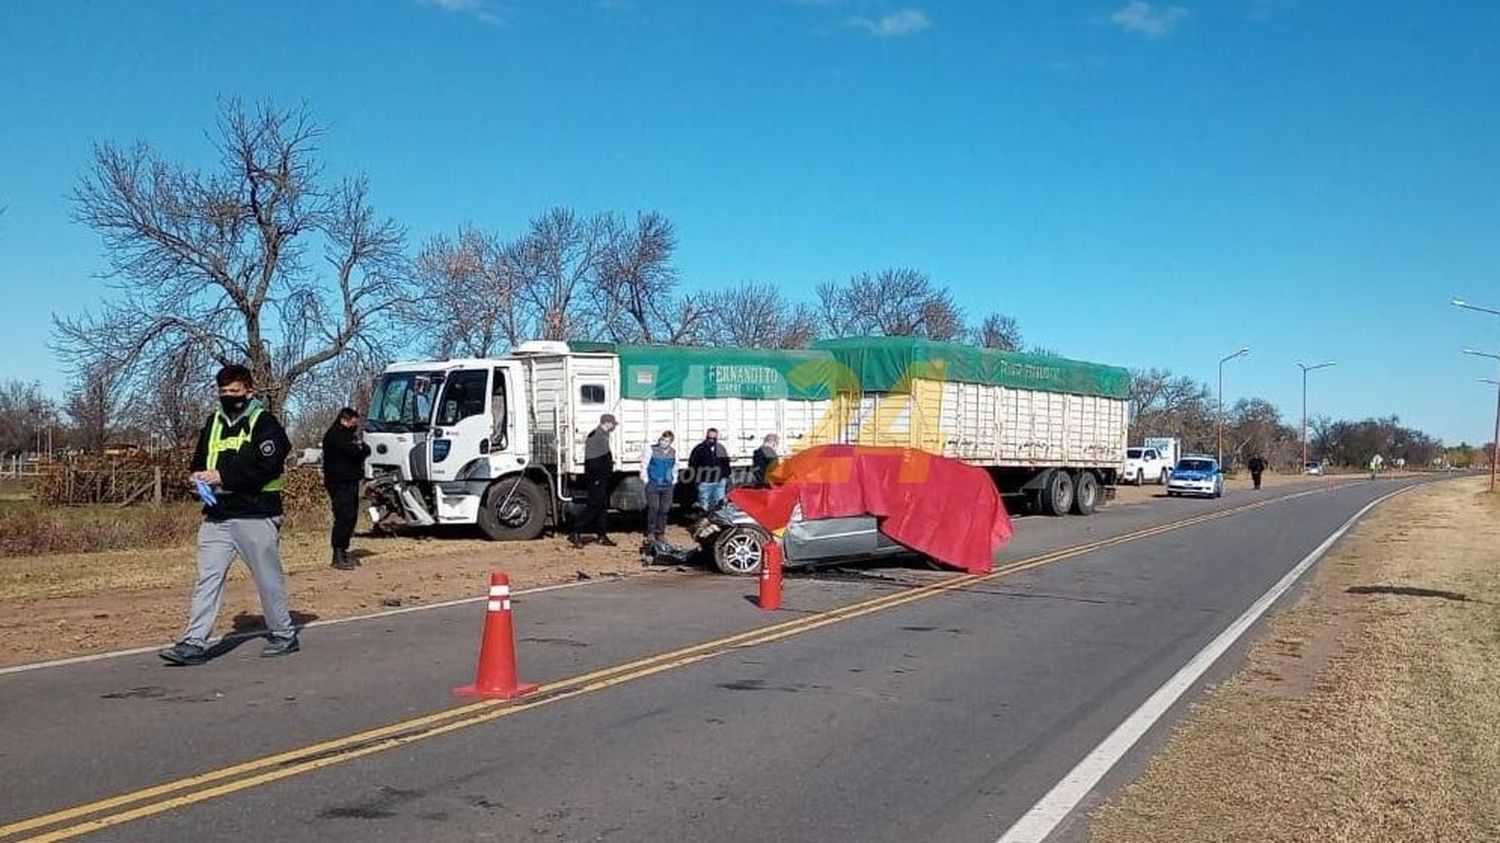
(1163,404)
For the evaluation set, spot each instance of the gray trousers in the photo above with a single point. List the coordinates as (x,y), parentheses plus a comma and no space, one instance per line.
(658,506)
(258,542)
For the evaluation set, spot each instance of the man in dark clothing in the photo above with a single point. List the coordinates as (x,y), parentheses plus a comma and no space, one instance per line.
(764,459)
(239,462)
(598,473)
(1257,466)
(709,463)
(344,452)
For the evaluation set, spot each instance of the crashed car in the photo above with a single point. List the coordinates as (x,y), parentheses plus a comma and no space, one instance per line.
(839,503)
(737,542)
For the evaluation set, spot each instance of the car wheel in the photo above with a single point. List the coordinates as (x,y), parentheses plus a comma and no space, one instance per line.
(1140,477)
(741,552)
(1162,480)
(1085,493)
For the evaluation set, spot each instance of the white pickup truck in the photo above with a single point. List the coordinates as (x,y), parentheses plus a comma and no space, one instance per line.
(1146,464)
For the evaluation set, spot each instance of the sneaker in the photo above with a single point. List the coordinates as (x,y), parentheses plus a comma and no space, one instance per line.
(184,654)
(280,647)
(342,561)
(606,541)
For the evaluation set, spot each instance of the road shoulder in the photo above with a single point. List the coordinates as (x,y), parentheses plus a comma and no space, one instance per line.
(1368,711)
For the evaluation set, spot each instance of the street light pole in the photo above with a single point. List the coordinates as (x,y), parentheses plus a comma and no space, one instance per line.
(1241,353)
(1495,451)
(1305,369)
(1494,454)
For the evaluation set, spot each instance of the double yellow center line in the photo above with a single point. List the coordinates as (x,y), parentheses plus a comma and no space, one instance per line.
(106,813)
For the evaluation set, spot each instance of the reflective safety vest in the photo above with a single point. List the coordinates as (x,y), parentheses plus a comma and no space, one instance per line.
(218,444)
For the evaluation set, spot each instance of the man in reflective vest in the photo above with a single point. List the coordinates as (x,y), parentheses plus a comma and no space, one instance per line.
(241,455)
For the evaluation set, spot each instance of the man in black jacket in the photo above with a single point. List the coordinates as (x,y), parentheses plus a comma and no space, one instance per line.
(344,452)
(240,458)
(709,464)
(1257,466)
(598,474)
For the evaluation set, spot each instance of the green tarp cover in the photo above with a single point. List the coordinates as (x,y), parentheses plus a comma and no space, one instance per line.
(884,364)
(654,371)
(851,365)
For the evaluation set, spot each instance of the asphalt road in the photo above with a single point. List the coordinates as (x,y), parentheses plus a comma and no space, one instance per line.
(938,713)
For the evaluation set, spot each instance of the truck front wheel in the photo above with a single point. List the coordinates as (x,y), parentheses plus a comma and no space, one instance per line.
(513,510)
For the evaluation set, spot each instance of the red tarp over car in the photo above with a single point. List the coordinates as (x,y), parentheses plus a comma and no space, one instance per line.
(937,506)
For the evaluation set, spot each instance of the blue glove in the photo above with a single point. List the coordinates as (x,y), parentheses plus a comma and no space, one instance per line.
(205,492)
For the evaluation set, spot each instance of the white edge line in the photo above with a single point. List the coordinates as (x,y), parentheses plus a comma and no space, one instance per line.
(241,636)
(1044,817)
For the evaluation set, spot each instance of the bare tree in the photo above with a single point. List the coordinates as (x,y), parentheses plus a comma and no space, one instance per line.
(256,261)
(470,302)
(23,412)
(633,297)
(757,315)
(557,261)
(92,406)
(171,404)
(892,302)
(1165,405)
(998,331)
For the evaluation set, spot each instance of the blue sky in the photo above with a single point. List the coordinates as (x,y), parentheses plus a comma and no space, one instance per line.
(1145,184)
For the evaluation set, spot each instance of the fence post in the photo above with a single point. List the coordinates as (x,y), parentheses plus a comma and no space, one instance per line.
(156,488)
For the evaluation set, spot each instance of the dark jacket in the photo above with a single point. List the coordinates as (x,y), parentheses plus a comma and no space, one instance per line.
(244,473)
(761,462)
(343,457)
(1256,465)
(709,462)
(598,460)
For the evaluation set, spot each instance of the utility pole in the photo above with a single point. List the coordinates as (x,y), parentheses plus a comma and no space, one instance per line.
(1305,369)
(1241,353)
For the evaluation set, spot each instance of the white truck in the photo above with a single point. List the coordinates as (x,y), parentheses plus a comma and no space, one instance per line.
(1150,462)
(498,442)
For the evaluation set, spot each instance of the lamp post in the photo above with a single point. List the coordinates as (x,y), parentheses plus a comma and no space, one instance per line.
(1495,453)
(1241,353)
(1305,369)
(1495,457)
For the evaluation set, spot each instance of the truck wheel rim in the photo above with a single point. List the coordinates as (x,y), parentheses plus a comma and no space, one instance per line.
(742,553)
(515,513)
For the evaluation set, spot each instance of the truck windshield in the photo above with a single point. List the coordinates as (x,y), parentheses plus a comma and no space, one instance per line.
(403,402)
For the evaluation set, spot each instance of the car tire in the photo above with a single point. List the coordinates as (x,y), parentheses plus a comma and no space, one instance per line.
(1085,493)
(1140,477)
(1057,493)
(513,510)
(741,551)
(1161,480)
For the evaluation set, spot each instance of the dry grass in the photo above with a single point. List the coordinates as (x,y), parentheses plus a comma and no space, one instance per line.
(1368,712)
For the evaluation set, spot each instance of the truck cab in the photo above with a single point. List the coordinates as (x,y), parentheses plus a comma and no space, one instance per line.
(440,435)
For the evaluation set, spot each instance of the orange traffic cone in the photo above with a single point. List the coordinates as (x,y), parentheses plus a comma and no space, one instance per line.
(770,577)
(496,677)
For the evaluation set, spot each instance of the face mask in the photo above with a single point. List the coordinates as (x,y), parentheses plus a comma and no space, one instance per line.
(665,443)
(712,441)
(233,404)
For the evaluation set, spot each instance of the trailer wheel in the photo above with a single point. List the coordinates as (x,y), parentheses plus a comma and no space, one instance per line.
(741,551)
(513,510)
(1057,493)
(1085,494)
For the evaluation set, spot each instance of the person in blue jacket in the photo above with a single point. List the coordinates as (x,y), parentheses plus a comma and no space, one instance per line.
(659,474)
